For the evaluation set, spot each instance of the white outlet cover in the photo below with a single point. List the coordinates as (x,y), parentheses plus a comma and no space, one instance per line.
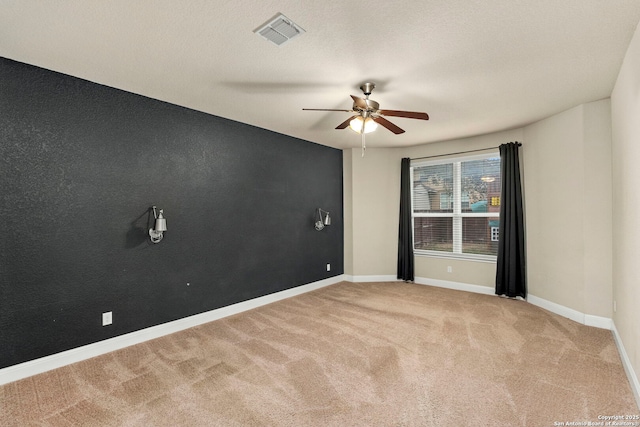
(107,318)
(328,267)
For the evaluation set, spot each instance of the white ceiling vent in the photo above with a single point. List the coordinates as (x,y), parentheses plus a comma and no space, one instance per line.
(279,30)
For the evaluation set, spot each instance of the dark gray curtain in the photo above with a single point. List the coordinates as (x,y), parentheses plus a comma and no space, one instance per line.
(405,234)
(511,273)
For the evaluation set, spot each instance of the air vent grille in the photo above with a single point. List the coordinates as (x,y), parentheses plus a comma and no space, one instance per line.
(279,30)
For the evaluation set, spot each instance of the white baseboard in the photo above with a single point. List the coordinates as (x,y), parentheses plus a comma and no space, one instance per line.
(458,286)
(360,279)
(58,360)
(558,309)
(575,315)
(585,319)
(598,321)
(626,362)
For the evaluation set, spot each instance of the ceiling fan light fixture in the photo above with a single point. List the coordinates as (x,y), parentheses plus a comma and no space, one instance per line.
(369,125)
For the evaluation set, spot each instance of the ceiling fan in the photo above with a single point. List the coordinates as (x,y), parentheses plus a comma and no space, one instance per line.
(368,115)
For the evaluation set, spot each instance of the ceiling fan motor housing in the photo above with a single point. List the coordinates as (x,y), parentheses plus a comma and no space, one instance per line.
(369,106)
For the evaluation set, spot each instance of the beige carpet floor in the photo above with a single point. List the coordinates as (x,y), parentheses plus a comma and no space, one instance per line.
(351,354)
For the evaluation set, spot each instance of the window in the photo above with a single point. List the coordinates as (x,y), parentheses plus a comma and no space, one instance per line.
(456,206)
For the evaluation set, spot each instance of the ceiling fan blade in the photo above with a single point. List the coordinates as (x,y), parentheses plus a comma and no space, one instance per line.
(345,124)
(386,123)
(407,114)
(326,109)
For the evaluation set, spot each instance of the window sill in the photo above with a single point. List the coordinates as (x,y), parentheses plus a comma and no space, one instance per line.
(463,257)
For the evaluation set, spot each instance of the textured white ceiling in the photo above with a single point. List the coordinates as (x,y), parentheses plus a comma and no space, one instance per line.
(474,66)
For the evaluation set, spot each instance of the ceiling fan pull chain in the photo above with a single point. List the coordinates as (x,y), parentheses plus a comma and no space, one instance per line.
(364,146)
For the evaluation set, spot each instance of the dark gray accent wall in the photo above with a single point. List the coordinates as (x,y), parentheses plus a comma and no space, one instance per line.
(80,166)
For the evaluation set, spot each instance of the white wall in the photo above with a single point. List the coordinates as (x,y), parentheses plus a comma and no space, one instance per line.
(567,180)
(625,114)
(347,182)
(375,197)
(598,210)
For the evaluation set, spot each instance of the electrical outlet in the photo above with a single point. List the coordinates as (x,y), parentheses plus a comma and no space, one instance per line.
(328,267)
(107,318)
(449,269)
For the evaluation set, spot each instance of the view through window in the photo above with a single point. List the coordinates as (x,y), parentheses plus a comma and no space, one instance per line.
(456,206)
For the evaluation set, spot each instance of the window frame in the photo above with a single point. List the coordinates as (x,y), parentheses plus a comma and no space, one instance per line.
(456,215)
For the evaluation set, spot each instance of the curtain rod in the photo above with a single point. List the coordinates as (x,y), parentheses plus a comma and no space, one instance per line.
(460,152)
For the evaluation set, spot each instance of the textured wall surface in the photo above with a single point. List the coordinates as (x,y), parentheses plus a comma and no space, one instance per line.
(80,166)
